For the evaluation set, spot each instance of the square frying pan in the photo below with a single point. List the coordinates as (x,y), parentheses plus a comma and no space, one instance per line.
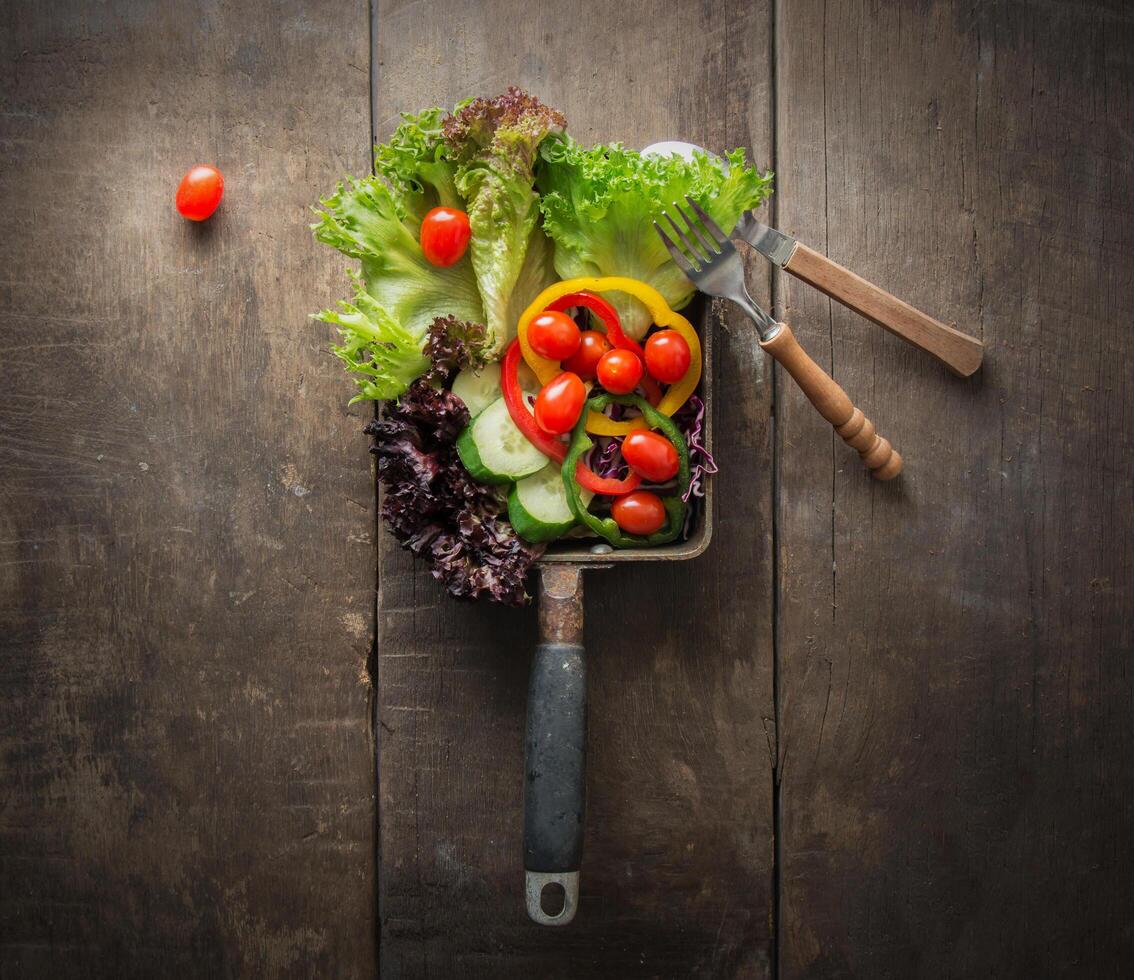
(556,742)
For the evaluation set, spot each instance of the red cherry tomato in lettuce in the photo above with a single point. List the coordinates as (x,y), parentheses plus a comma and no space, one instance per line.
(640,512)
(619,371)
(445,234)
(554,335)
(199,193)
(667,356)
(559,403)
(592,346)
(650,456)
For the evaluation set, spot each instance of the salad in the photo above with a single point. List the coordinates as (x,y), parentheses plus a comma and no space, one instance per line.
(518,318)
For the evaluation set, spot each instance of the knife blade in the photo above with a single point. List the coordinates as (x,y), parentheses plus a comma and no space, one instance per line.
(961,353)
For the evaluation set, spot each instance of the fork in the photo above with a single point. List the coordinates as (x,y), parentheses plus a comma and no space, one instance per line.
(711,261)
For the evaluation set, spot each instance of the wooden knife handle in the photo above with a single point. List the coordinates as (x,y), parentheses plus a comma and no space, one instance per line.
(834,405)
(960,352)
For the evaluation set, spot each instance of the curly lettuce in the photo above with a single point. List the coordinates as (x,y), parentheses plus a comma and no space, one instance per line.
(494,143)
(599,205)
(378,220)
(415,161)
(478,158)
(382,355)
(453,346)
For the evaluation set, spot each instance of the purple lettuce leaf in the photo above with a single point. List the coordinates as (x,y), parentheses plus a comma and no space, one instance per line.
(436,510)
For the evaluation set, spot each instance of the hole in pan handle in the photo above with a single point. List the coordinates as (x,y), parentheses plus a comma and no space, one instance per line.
(551,896)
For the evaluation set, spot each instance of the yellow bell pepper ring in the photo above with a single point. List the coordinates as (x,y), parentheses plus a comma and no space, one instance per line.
(545,369)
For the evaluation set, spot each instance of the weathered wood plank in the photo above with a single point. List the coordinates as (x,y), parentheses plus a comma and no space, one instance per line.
(956,748)
(677,874)
(186,564)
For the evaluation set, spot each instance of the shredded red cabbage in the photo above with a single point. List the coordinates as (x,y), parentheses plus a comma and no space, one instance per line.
(606,460)
(690,420)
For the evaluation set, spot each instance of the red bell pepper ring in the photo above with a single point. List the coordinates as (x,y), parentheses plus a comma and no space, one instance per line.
(514,399)
(652,390)
(605,485)
(547,443)
(605,312)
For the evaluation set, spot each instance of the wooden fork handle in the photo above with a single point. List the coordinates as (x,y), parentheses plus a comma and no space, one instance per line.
(834,405)
(961,353)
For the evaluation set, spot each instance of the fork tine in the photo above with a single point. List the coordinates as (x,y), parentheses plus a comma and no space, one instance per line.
(682,262)
(709,246)
(689,246)
(713,228)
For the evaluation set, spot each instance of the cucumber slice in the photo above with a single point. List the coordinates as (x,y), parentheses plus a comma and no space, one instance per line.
(478,389)
(493,450)
(538,508)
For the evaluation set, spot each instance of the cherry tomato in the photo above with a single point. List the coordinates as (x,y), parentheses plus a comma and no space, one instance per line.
(592,346)
(650,456)
(554,335)
(559,403)
(619,371)
(199,193)
(640,512)
(445,234)
(667,356)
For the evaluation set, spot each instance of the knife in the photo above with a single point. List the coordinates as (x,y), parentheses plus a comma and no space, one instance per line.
(958,351)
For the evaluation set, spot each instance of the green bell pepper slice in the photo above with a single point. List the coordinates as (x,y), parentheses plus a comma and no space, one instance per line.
(606,527)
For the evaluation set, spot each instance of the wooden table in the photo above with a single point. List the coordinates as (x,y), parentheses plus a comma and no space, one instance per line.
(878,730)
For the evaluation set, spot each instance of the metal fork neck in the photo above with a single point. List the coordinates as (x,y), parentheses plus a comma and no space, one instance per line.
(766,326)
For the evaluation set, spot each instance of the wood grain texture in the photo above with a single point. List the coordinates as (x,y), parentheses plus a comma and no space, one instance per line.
(186,572)
(957,758)
(677,872)
(961,352)
(186,517)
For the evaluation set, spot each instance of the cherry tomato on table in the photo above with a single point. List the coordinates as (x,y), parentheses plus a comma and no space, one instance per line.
(445,234)
(554,335)
(592,345)
(667,356)
(199,193)
(650,456)
(619,371)
(640,512)
(559,403)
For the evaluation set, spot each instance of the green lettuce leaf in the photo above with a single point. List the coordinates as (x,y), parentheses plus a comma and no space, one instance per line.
(382,355)
(378,220)
(536,274)
(415,162)
(494,144)
(599,206)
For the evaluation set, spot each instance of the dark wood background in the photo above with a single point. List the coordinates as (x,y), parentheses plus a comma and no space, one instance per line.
(876,731)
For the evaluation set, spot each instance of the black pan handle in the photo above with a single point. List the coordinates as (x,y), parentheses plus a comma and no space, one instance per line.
(555,751)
